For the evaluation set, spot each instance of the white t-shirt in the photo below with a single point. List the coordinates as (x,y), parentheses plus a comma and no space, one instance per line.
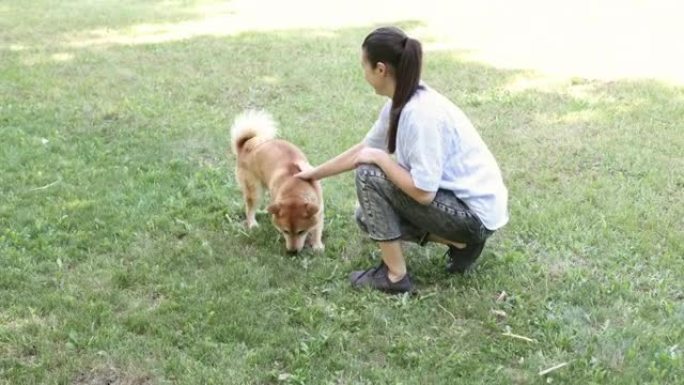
(438,145)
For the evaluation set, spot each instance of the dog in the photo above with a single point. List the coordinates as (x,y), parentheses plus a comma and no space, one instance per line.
(265,161)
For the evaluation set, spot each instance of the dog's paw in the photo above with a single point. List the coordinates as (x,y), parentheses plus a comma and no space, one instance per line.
(251,225)
(318,247)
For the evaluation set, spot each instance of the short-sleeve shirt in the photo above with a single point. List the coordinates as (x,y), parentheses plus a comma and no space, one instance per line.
(438,145)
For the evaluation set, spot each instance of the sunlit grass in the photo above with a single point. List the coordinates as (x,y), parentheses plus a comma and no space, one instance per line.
(605,40)
(124,259)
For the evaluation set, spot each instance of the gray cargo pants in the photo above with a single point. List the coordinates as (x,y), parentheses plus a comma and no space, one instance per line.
(386,213)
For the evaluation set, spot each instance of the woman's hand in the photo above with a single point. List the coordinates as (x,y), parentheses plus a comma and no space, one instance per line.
(306,172)
(369,155)
(344,162)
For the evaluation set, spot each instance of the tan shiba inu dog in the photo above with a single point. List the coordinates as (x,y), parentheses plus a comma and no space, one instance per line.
(263,161)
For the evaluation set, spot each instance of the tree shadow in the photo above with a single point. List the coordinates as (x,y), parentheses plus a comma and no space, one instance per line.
(138,135)
(549,141)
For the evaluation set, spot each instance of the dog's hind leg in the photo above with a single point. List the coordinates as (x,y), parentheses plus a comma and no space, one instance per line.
(251,191)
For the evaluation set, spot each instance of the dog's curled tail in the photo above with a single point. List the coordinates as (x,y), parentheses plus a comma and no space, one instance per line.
(250,124)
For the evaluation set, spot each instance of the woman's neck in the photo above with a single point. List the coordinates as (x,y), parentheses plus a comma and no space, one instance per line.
(389,89)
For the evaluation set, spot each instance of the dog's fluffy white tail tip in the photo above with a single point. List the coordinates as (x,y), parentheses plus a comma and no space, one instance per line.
(249,124)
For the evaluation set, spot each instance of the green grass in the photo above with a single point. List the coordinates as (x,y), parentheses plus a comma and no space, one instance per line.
(123,259)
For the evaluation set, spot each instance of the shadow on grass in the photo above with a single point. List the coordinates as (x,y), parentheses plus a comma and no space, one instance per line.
(146,221)
(562,150)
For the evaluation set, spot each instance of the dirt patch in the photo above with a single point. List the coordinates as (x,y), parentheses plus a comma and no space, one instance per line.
(112,376)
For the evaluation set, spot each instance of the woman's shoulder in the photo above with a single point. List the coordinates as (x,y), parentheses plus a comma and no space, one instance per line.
(428,103)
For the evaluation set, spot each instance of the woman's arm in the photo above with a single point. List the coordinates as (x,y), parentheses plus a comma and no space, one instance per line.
(360,153)
(396,174)
(339,164)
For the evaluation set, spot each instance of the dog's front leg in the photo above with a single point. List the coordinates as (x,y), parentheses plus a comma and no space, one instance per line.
(315,237)
(252,194)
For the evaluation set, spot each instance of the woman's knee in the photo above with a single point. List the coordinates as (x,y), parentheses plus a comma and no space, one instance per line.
(360,219)
(370,179)
(366,172)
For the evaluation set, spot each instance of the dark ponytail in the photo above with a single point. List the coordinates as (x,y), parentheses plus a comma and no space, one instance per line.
(404,55)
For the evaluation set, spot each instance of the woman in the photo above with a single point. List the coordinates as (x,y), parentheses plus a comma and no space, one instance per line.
(442,185)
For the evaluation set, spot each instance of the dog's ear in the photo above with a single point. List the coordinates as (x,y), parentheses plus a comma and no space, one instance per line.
(274,208)
(310,209)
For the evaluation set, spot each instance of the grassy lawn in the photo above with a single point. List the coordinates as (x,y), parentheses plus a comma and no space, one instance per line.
(123,259)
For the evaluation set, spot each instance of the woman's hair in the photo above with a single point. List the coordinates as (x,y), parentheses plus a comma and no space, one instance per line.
(404,56)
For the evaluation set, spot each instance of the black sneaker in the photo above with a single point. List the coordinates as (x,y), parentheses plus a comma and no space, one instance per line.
(460,260)
(376,278)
